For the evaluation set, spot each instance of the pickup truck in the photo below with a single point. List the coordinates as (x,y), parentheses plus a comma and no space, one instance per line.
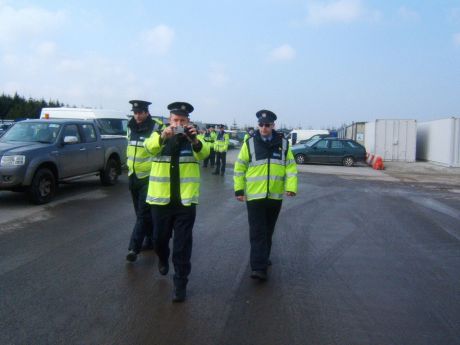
(37,155)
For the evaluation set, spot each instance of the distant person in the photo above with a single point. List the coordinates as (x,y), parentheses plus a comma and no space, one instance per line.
(249,133)
(173,192)
(210,138)
(140,127)
(264,170)
(221,148)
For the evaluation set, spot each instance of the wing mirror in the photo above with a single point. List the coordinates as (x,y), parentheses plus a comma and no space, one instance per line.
(70,139)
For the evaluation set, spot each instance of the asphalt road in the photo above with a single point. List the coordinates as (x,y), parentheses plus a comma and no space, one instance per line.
(354,262)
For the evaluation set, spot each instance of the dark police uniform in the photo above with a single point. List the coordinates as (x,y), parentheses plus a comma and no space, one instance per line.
(139,164)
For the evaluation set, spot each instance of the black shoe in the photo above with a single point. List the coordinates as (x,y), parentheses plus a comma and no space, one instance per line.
(261,275)
(163,267)
(179,295)
(148,244)
(215,173)
(222,174)
(269,262)
(132,256)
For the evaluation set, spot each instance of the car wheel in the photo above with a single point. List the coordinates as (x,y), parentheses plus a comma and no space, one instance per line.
(109,176)
(300,158)
(348,161)
(43,187)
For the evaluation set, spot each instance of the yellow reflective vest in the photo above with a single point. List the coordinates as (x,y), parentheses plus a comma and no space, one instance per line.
(159,191)
(265,170)
(221,143)
(138,159)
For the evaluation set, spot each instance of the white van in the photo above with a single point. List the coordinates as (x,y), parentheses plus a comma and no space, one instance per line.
(111,123)
(297,135)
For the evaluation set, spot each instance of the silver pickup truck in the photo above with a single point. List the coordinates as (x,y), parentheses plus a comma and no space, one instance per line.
(36,155)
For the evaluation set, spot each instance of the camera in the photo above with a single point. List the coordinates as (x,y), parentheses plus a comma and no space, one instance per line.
(179,130)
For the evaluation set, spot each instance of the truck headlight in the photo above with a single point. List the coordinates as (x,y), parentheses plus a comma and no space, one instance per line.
(8,161)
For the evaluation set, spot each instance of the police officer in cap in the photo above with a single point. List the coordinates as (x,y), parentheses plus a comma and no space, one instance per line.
(264,170)
(140,127)
(174,190)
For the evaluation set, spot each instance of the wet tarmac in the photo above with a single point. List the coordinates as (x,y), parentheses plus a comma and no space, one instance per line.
(354,262)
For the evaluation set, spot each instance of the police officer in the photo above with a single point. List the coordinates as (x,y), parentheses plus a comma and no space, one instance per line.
(221,148)
(140,127)
(173,192)
(264,170)
(249,133)
(210,137)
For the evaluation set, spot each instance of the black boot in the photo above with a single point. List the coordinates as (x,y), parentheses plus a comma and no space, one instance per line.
(132,256)
(163,267)
(179,294)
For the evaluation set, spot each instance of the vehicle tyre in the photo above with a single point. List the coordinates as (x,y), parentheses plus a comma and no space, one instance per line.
(43,187)
(109,176)
(348,161)
(300,158)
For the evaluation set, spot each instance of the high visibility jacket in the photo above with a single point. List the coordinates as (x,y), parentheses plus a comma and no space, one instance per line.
(210,137)
(221,143)
(265,170)
(138,159)
(159,192)
(247,136)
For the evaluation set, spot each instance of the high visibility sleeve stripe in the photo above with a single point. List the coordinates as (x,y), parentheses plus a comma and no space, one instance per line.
(187,159)
(242,162)
(159,179)
(157,200)
(190,180)
(264,178)
(140,160)
(161,159)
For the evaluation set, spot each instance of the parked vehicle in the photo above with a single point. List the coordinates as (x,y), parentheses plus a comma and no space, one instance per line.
(297,135)
(329,150)
(109,122)
(37,155)
(4,127)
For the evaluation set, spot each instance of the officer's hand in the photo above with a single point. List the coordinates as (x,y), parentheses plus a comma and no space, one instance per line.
(168,132)
(191,134)
(241,198)
(290,193)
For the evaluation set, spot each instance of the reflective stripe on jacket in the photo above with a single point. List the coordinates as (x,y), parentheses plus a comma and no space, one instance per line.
(138,159)
(265,170)
(221,143)
(159,192)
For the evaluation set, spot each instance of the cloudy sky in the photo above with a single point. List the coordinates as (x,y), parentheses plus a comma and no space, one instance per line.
(315,63)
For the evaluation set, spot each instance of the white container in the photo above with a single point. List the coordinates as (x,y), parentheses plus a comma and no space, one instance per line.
(393,140)
(438,141)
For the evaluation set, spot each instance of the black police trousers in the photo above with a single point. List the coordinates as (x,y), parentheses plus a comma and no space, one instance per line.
(262,215)
(210,159)
(174,221)
(144,224)
(221,161)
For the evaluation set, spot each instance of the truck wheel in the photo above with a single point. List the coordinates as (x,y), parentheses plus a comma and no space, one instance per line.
(300,158)
(109,176)
(43,187)
(348,161)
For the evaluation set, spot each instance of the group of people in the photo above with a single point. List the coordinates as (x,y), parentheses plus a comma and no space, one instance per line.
(218,145)
(164,181)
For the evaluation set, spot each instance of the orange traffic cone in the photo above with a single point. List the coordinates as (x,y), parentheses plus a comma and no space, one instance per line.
(378,163)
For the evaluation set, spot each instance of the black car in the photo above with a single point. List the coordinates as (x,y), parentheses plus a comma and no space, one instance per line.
(329,150)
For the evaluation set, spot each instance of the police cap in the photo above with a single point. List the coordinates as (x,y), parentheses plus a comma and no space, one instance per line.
(180,108)
(266,116)
(140,105)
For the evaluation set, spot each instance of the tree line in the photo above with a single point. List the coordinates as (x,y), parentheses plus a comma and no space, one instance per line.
(18,107)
